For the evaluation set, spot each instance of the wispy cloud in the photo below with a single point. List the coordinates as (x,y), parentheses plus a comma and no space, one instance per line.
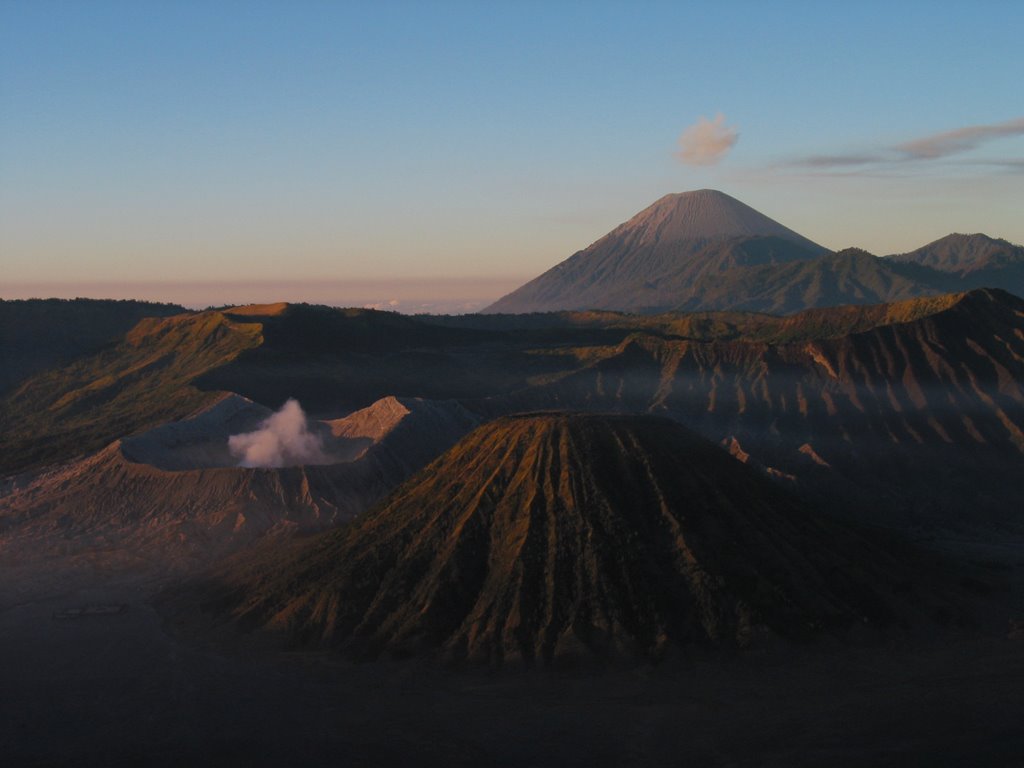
(836,161)
(960,140)
(1011,165)
(918,151)
(706,142)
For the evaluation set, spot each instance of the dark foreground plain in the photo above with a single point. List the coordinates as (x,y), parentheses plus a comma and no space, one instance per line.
(150,687)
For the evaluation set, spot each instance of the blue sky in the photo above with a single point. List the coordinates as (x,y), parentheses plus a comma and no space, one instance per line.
(148,142)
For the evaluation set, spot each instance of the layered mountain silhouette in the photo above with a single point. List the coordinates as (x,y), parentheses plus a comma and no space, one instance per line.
(964,254)
(334,361)
(36,334)
(705,250)
(549,536)
(970,261)
(142,381)
(864,404)
(851,276)
(885,397)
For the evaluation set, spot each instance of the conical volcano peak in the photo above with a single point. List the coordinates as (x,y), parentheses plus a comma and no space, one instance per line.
(658,257)
(547,536)
(703,214)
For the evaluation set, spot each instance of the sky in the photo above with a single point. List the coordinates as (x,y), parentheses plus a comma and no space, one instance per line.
(435,155)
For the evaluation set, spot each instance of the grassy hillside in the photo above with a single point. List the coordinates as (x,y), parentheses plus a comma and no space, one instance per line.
(142,381)
(36,334)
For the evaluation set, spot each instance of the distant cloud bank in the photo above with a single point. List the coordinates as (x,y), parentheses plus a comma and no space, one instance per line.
(706,142)
(435,295)
(936,146)
(960,140)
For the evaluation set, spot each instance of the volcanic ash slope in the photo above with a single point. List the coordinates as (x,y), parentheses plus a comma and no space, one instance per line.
(177,492)
(657,257)
(552,536)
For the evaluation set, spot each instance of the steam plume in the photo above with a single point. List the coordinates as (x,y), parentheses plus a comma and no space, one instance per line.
(283,440)
(706,141)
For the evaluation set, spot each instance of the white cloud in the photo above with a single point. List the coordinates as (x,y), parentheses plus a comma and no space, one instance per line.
(390,305)
(707,141)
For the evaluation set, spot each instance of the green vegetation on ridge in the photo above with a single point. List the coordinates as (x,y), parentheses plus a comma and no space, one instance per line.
(36,334)
(143,381)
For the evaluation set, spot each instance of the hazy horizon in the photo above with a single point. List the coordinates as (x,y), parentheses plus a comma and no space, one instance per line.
(438,296)
(221,143)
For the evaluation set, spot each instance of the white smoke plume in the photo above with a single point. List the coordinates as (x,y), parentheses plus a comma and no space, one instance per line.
(706,141)
(283,440)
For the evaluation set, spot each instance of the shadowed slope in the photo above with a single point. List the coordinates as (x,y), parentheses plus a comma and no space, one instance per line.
(888,396)
(816,323)
(339,360)
(885,395)
(970,261)
(36,334)
(334,361)
(964,254)
(848,277)
(141,382)
(548,535)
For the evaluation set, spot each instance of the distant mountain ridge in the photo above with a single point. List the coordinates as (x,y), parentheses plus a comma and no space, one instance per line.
(962,262)
(704,250)
(36,334)
(888,396)
(851,276)
(965,254)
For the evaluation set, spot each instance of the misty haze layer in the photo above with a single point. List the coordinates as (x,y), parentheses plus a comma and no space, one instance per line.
(283,440)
